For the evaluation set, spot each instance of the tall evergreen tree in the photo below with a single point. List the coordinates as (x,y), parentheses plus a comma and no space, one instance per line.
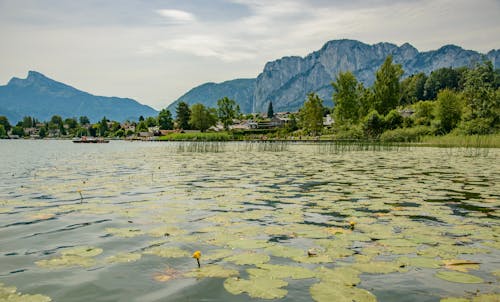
(183,115)
(346,98)
(311,114)
(165,120)
(270,111)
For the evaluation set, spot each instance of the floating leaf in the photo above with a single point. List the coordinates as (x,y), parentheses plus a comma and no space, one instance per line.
(454,300)
(10,294)
(167,252)
(211,271)
(248,258)
(248,244)
(325,291)
(287,271)
(167,275)
(343,275)
(378,267)
(421,262)
(487,298)
(261,287)
(461,265)
(67,261)
(124,232)
(124,258)
(458,277)
(82,251)
(217,254)
(285,251)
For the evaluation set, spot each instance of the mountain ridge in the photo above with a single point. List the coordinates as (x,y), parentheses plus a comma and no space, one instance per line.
(42,97)
(287,81)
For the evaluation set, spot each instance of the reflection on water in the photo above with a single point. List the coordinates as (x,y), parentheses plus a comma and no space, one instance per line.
(99,222)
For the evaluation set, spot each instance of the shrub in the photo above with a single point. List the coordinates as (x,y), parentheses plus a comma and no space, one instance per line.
(406,134)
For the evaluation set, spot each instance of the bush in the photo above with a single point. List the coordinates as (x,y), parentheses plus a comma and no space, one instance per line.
(349,132)
(406,134)
(198,136)
(393,120)
(475,126)
(373,124)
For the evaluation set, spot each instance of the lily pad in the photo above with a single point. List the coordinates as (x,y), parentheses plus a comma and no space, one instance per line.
(421,262)
(287,271)
(248,244)
(458,277)
(124,258)
(10,294)
(211,271)
(82,251)
(378,267)
(454,300)
(261,287)
(285,251)
(487,298)
(167,252)
(67,261)
(343,275)
(248,258)
(325,291)
(461,265)
(124,232)
(217,254)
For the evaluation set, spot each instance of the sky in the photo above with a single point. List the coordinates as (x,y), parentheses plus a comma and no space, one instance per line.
(155,51)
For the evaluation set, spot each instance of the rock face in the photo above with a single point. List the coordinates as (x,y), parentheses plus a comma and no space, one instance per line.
(41,97)
(240,90)
(287,81)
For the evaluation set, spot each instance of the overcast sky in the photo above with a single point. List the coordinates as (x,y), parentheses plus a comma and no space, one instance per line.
(154,51)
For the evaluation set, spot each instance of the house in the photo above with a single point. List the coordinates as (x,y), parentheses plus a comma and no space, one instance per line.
(327,120)
(406,112)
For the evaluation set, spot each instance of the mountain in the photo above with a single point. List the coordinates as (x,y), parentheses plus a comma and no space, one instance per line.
(41,97)
(287,81)
(208,94)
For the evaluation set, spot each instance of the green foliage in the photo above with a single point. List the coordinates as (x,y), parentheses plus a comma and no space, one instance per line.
(3,132)
(424,112)
(28,122)
(386,86)
(373,124)
(120,133)
(151,122)
(84,120)
(406,134)
(202,118)
(346,98)
(476,126)
(226,111)
(292,124)
(141,127)
(448,110)
(270,110)
(165,121)
(393,120)
(349,131)
(4,121)
(42,133)
(207,136)
(71,122)
(412,89)
(443,78)
(311,114)
(18,130)
(183,115)
(103,127)
(481,94)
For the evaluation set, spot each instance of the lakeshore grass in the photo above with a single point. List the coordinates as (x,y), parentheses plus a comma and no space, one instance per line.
(464,141)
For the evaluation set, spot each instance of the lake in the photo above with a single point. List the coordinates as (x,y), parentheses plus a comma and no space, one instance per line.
(290,222)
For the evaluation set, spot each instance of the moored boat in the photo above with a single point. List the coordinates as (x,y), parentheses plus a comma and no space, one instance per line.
(90,140)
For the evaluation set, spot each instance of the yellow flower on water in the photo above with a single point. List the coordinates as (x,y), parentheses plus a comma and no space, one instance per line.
(352,224)
(197,255)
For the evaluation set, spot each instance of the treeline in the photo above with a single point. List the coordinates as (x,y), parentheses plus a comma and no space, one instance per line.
(459,100)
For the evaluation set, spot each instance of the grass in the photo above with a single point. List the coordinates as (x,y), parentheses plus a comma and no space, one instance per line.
(465,141)
(198,136)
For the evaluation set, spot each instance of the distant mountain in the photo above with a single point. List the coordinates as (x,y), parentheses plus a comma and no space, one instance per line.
(287,81)
(241,90)
(41,97)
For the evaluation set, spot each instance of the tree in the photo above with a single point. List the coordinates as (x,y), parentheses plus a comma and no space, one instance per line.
(270,110)
(373,124)
(27,122)
(393,120)
(165,121)
(202,118)
(84,120)
(311,114)
(18,130)
(386,86)
(71,122)
(448,109)
(440,79)
(183,114)
(292,124)
(151,121)
(226,111)
(424,112)
(4,121)
(412,89)
(480,92)
(3,133)
(346,98)
(42,133)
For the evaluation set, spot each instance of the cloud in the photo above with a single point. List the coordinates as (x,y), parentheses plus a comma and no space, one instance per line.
(176,16)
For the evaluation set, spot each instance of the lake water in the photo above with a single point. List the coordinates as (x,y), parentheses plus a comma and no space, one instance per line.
(120,222)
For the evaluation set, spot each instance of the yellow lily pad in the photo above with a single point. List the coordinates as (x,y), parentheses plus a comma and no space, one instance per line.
(458,277)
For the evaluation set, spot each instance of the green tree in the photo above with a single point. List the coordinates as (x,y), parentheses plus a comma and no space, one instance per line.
(18,130)
(346,98)
(311,114)
(292,124)
(412,89)
(373,124)
(103,127)
(43,132)
(84,120)
(183,115)
(4,121)
(165,121)
(480,92)
(226,111)
(141,127)
(448,109)
(440,79)
(423,112)
(27,122)
(3,132)
(393,120)
(202,118)
(71,123)
(270,110)
(386,92)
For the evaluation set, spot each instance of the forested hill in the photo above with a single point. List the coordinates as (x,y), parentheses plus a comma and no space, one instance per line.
(287,81)
(41,97)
